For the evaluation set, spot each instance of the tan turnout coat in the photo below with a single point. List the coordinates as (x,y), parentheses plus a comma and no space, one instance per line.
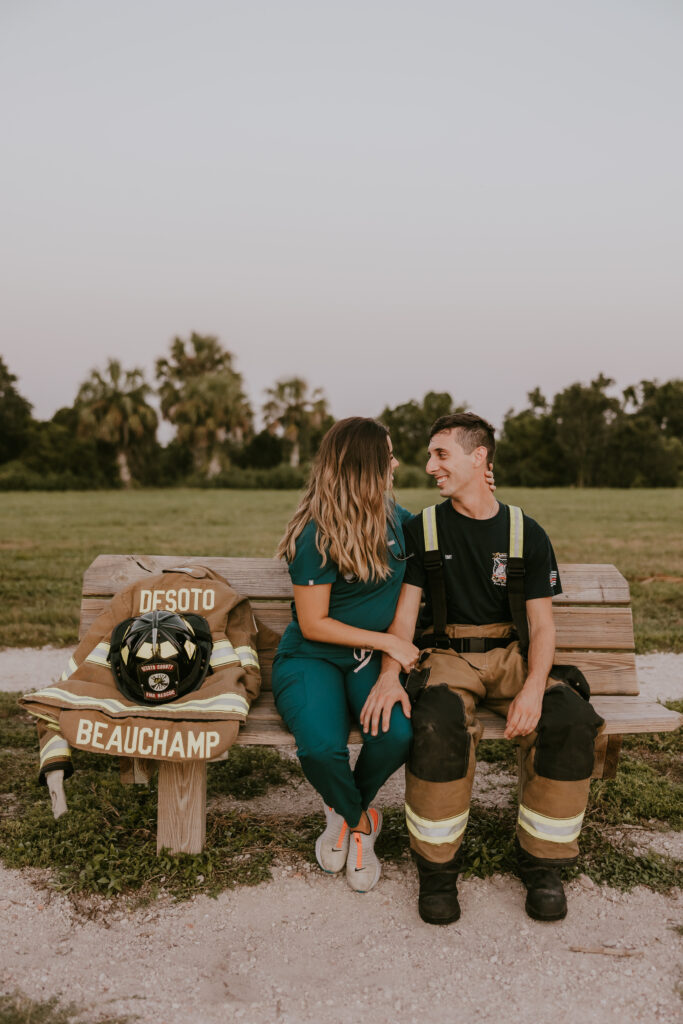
(86,710)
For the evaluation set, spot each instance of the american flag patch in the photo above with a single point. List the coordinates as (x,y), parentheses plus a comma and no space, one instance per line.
(553,578)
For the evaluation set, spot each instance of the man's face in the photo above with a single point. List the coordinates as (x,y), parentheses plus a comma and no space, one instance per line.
(449,464)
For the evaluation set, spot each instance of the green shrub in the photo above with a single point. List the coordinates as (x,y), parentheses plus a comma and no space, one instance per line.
(279,478)
(411,476)
(15,476)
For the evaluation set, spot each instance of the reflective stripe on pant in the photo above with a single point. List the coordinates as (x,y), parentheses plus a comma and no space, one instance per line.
(319,700)
(552,798)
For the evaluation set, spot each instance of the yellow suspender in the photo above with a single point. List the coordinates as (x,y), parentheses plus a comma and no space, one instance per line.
(516,530)
(515,577)
(429,527)
(516,548)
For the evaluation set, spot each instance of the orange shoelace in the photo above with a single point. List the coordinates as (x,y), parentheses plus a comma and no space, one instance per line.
(358,836)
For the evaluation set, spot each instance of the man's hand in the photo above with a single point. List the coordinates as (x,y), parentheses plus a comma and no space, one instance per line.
(524,712)
(403,651)
(386,692)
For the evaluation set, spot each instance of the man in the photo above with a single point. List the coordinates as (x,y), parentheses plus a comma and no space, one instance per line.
(473,655)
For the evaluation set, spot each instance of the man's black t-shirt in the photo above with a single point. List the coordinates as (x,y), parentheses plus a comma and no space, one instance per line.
(474,554)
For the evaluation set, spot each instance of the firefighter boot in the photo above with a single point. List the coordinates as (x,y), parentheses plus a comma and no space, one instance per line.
(545,900)
(438,899)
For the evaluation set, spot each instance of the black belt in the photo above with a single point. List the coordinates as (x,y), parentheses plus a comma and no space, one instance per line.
(466,644)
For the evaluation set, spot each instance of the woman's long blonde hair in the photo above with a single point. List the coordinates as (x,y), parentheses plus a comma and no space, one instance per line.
(347,499)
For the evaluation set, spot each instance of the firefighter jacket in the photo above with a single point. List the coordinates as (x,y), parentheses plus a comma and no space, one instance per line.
(86,710)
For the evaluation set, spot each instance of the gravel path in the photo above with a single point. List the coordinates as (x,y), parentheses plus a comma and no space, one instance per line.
(304,948)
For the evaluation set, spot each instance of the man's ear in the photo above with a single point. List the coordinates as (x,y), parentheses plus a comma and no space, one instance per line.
(480,456)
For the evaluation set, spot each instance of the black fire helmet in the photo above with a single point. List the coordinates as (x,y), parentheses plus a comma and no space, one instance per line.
(160,656)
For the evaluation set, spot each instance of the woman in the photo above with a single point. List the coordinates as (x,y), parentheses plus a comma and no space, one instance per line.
(345,551)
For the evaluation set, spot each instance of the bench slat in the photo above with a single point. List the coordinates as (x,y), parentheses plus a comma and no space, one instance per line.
(254,577)
(606,671)
(630,715)
(593,628)
(582,627)
(268,577)
(592,584)
(587,628)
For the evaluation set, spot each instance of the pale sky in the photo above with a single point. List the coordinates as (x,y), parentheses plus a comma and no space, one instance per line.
(384,197)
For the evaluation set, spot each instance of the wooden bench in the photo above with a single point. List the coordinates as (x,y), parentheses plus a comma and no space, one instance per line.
(594,631)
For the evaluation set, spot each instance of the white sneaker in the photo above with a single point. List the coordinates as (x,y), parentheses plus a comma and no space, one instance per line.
(332,845)
(362,866)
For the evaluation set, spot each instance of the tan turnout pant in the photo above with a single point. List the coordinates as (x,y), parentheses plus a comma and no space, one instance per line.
(556,759)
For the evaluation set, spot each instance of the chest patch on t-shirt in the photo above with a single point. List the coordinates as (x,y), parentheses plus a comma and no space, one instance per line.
(499,574)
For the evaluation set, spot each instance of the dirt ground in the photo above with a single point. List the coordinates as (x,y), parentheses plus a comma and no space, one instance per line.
(305,948)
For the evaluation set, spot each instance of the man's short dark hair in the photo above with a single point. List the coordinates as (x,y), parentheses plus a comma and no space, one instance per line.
(473,431)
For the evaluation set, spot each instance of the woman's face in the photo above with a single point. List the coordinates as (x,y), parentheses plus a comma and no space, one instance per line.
(393,464)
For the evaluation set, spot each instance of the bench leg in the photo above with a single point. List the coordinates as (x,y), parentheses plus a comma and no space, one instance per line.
(181,815)
(143,770)
(136,770)
(607,749)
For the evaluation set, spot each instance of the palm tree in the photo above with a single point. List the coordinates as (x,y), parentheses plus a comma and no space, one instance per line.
(112,406)
(295,415)
(202,395)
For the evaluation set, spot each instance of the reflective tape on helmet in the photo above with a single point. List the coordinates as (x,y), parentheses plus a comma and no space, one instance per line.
(100,654)
(55,748)
(248,657)
(443,830)
(553,830)
(516,532)
(223,653)
(69,670)
(222,703)
(429,527)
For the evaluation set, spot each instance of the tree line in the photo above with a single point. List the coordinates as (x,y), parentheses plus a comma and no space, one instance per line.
(583,437)
(107,438)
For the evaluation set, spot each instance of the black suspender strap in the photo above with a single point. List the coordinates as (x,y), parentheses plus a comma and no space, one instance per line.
(437,591)
(515,578)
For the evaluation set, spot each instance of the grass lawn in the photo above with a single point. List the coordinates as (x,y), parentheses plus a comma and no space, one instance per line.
(48,539)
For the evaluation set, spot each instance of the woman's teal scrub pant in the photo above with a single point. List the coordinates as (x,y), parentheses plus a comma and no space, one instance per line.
(319,700)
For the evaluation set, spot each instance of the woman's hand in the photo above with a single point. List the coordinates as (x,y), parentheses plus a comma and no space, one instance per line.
(489,477)
(377,709)
(402,651)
